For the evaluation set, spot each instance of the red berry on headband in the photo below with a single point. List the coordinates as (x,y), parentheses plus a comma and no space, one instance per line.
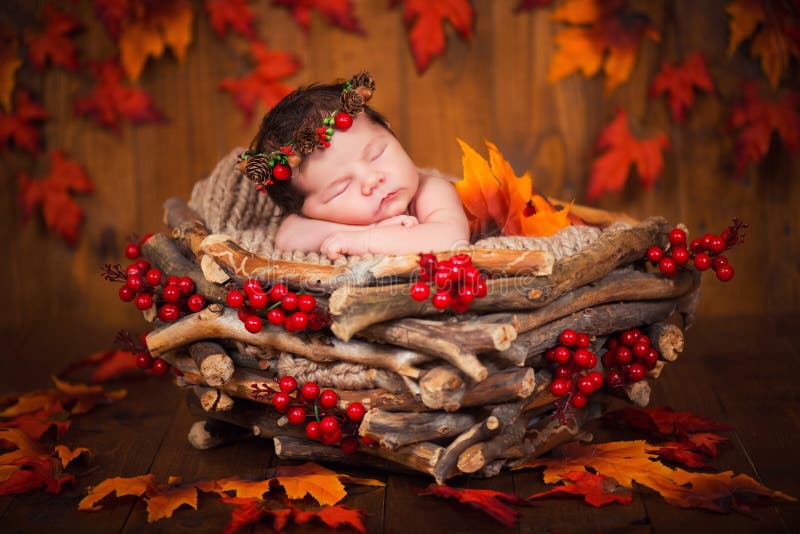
(277,292)
(718,262)
(132,251)
(172,280)
(235,299)
(654,254)
(697,245)
(582,357)
(563,371)
(578,400)
(636,372)
(313,431)
(299,320)
(329,424)
(559,387)
(289,301)
(481,289)
(624,355)
(582,341)
(441,299)
(252,285)
(258,299)
(306,303)
(288,384)
(343,121)
(143,265)
(296,415)
(677,237)
(562,354)
(716,245)
(186,284)
(597,378)
(276,316)
(281,172)
(134,282)
(586,385)
(420,291)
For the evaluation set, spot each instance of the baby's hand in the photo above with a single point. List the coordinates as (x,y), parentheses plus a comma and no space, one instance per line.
(339,243)
(406,221)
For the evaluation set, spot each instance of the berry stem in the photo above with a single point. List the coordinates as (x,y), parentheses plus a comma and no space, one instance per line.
(113,273)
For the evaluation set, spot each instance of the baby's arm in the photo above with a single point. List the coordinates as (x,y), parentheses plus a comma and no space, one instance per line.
(300,233)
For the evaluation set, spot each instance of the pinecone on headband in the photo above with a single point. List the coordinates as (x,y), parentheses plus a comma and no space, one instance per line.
(352,102)
(305,141)
(257,169)
(363,79)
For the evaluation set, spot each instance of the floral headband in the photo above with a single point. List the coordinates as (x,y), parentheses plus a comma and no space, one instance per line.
(264,168)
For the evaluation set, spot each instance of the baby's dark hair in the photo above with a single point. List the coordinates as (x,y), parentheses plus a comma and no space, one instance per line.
(304,108)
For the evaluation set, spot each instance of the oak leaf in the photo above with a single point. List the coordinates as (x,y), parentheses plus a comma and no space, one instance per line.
(54,42)
(110,100)
(490,502)
(263,84)
(10,62)
(67,455)
(610,170)
(54,194)
(234,15)
(757,118)
(595,489)
(678,83)
(604,34)
(425,21)
(17,128)
(337,12)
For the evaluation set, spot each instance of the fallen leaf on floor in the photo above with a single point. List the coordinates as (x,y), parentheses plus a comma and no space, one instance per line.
(490,502)
(595,489)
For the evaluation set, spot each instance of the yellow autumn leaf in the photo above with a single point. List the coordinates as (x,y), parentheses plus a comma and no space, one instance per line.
(121,486)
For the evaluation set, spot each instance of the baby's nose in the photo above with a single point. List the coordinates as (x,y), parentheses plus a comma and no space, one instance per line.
(371,181)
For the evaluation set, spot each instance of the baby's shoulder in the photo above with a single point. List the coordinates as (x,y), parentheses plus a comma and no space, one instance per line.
(436,192)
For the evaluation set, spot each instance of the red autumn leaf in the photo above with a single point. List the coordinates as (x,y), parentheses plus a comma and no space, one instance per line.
(75,398)
(679,82)
(489,502)
(17,128)
(662,422)
(54,42)
(10,62)
(529,5)
(112,13)
(610,170)
(425,20)
(54,194)
(35,424)
(263,84)
(706,442)
(332,516)
(681,453)
(234,15)
(110,100)
(250,510)
(107,365)
(595,489)
(28,465)
(338,12)
(603,33)
(757,117)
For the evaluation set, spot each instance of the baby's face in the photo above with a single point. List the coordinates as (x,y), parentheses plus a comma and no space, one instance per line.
(365,176)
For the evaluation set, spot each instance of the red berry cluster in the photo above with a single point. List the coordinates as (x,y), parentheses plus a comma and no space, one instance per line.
(456,282)
(573,378)
(144,360)
(628,358)
(316,410)
(703,252)
(147,286)
(295,312)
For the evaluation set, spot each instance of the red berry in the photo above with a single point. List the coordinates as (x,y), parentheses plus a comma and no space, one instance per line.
(583,341)
(559,387)
(330,439)
(586,385)
(550,354)
(132,270)
(313,431)
(466,294)
(578,400)
(581,357)
(296,415)
(171,293)
(707,239)
(258,299)
(461,260)
(680,255)
(196,303)
(298,320)
(289,301)
(153,277)
(132,251)
(276,316)
(349,445)
(471,277)
(667,267)
(172,281)
(677,237)
(252,285)
(592,361)
(725,272)
(367,440)
(328,398)
(614,378)
(328,424)
(610,358)
(636,372)
(306,303)
(277,292)
(568,337)
(253,324)
(563,371)
(481,289)
(146,238)
(441,299)
(628,338)
(718,262)
(126,294)
(624,355)
(697,245)
(420,291)
(288,384)
(612,343)
(309,391)
(343,121)
(168,312)
(186,284)
(281,401)
(649,360)
(160,367)
(441,278)
(702,261)
(234,298)
(281,171)
(143,265)
(643,339)
(562,354)
(144,360)
(716,245)
(654,254)
(597,379)
(244,312)
(640,349)
(134,282)
(144,301)
(355,411)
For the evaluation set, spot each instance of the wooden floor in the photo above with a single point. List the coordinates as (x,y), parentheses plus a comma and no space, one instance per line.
(743,371)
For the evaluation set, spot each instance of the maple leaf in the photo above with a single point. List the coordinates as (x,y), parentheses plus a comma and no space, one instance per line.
(662,422)
(110,100)
(251,510)
(679,81)
(29,466)
(425,21)
(35,424)
(529,5)
(338,12)
(610,170)
(756,118)
(17,128)
(234,15)
(54,42)
(489,502)
(76,399)
(113,14)
(332,516)
(777,33)
(67,455)
(54,194)
(10,62)
(605,35)
(263,84)
(107,364)
(595,489)
(121,486)
(626,461)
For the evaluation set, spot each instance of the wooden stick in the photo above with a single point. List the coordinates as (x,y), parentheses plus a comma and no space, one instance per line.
(213,361)
(503,386)
(187,226)
(394,429)
(419,456)
(442,387)
(667,339)
(296,448)
(595,216)
(211,433)
(212,399)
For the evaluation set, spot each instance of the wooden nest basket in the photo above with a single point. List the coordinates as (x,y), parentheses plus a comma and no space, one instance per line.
(445,394)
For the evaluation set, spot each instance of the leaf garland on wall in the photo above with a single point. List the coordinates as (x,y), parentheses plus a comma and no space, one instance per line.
(17,129)
(679,81)
(54,43)
(337,12)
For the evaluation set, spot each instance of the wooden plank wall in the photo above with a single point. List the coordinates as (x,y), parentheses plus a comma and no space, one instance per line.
(493,87)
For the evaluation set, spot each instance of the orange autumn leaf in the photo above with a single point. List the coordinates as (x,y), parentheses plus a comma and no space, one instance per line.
(337,12)
(678,83)
(326,486)
(544,219)
(604,34)
(36,423)
(53,194)
(234,15)
(17,128)
(425,21)
(490,502)
(629,461)
(595,489)
(264,83)
(66,455)
(10,62)
(775,31)
(610,170)
(757,117)
(54,43)
(332,516)
(76,399)
(120,486)
(107,365)
(28,466)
